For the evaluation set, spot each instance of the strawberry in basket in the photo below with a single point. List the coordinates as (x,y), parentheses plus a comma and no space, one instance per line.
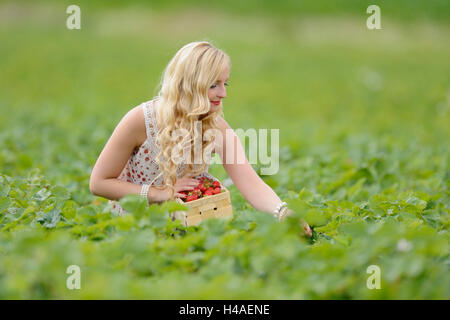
(206,187)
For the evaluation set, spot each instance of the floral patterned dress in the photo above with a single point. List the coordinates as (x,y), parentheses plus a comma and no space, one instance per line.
(142,167)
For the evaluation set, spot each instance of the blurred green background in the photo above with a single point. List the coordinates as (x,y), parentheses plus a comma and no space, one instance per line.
(361,112)
(310,68)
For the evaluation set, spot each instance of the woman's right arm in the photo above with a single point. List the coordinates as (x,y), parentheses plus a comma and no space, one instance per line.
(129,134)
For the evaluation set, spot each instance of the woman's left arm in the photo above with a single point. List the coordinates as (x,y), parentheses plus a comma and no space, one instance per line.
(244,177)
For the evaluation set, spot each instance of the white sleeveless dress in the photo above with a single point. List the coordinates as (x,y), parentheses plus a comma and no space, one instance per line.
(142,167)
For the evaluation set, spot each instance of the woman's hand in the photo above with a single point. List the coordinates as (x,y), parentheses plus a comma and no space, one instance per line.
(182,184)
(306,230)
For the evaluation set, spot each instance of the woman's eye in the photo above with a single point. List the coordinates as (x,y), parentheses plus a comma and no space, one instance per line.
(214,85)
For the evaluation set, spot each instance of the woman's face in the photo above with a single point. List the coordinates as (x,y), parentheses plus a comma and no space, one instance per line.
(217,91)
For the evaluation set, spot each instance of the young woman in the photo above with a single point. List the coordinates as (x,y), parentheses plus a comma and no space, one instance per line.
(140,157)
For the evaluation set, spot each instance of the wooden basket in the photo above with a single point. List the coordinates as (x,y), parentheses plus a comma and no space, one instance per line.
(215,206)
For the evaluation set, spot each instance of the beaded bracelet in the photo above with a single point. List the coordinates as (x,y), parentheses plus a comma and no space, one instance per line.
(144,190)
(278,209)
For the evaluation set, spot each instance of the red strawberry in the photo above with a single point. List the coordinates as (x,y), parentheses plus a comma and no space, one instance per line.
(207,183)
(185,195)
(216,190)
(216,184)
(201,187)
(191,197)
(209,192)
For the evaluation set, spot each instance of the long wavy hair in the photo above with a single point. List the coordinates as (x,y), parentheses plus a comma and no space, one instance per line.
(183,102)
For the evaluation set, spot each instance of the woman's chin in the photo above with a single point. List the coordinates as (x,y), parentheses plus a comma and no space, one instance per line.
(213,108)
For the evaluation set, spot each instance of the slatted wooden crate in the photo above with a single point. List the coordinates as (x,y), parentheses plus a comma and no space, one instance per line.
(215,206)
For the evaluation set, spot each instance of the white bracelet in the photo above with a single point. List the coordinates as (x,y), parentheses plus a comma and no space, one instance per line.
(283,213)
(278,208)
(144,190)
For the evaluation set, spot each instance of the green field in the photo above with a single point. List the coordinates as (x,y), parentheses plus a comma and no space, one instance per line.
(364,128)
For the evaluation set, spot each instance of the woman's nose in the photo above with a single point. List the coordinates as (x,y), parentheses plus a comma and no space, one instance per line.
(222,93)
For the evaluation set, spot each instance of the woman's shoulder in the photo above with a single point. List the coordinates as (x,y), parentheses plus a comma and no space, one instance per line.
(137,121)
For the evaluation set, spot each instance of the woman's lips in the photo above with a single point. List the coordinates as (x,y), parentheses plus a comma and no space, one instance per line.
(215,102)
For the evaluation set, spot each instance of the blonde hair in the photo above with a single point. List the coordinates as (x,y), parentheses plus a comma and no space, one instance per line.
(183,100)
